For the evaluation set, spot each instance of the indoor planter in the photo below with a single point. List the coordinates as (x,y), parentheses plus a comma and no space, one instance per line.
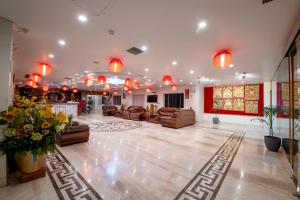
(272,142)
(30,133)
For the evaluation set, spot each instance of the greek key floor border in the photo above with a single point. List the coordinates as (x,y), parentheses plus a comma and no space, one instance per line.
(68,183)
(206,184)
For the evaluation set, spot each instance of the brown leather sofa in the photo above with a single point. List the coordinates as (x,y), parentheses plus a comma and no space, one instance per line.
(179,118)
(109,110)
(162,112)
(73,134)
(134,113)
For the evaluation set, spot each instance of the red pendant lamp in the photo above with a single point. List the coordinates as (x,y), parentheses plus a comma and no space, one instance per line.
(75,90)
(222,59)
(64,87)
(35,77)
(30,83)
(115,92)
(44,69)
(88,82)
(104,93)
(127,82)
(115,65)
(149,89)
(136,85)
(129,91)
(167,80)
(45,88)
(174,87)
(102,79)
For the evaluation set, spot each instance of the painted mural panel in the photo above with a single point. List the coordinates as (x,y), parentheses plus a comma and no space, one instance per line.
(238,91)
(238,105)
(227,92)
(217,93)
(252,92)
(251,106)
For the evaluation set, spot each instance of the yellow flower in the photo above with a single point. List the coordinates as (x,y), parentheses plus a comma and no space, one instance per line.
(48,107)
(48,114)
(61,117)
(45,125)
(9,116)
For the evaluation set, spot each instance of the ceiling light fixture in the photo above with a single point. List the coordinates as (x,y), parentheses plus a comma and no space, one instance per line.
(174,63)
(61,42)
(231,65)
(144,48)
(201,25)
(180,80)
(82,18)
(192,71)
(147,69)
(51,55)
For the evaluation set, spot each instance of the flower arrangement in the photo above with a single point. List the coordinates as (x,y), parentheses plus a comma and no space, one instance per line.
(30,126)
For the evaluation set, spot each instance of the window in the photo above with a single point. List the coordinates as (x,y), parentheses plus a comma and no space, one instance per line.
(138,100)
(174,100)
(117,100)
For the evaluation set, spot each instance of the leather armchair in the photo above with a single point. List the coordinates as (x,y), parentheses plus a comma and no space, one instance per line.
(134,113)
(109,110)
(179,118)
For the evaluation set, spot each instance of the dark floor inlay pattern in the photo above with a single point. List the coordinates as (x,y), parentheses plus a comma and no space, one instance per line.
(207,182)
(68,183)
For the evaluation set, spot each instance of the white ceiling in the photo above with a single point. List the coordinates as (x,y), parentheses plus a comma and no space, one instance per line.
(256,34)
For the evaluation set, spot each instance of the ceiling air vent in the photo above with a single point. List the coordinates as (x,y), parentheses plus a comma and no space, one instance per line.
(266,1)
(26,76)
(134,50)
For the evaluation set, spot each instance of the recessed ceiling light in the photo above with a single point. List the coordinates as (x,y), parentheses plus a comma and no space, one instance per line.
(191,83)
(129,73)
(201,25)
(82,18)
(236,73)
(145,77)
(192,71)
(147,69)
(174,63)
(86,71)
(144,48)
(180,80)
(51,55)
(231,65)
(61,42)
(149,80)
(160,86)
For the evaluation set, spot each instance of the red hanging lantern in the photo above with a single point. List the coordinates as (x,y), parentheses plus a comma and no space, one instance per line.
(128,82)
(174,87)
(167,80)
(136,85)
(115,65)
(126,88)
(222,59)
(149,89)
(88,82)
(115,92)
(35,77)
(129,91)
(75,89)
(30,83)
(45,88)
(104,93)
(64,87)
(106,87)
(102,79)
(44,69)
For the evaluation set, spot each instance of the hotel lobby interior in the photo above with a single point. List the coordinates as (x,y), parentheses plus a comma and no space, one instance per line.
(149,100)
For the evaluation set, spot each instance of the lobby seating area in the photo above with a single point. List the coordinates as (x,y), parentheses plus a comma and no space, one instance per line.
(150,100)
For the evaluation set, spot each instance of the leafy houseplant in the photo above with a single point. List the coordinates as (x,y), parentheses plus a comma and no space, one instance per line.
(30,132)
(272,143)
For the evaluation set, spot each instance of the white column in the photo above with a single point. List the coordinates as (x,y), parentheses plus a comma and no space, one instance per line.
(199,101)
(5,81)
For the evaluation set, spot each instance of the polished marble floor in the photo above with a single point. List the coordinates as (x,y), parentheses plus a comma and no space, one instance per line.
(152,162)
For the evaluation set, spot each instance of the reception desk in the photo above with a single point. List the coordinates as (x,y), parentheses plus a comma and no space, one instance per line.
(67,108)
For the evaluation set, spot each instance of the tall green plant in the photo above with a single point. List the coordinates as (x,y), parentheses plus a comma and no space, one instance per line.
(268,118)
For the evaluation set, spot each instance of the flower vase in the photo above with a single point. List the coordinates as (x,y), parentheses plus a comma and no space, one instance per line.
(29,163)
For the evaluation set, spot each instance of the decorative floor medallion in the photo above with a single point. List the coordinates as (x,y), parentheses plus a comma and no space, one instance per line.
(114,126)
(207,182)
(68,183)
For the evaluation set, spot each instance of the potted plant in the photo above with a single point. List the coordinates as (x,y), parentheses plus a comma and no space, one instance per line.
(215,119)
(30,133)
(289,142)
(272,142)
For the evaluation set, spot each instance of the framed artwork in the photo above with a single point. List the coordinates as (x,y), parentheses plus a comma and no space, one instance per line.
(252,92)
(228,104)
(251,106)
(238,105)
(186,94)
(238,91)
(217,104)
(217,93)
(285,91)
(227,92)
